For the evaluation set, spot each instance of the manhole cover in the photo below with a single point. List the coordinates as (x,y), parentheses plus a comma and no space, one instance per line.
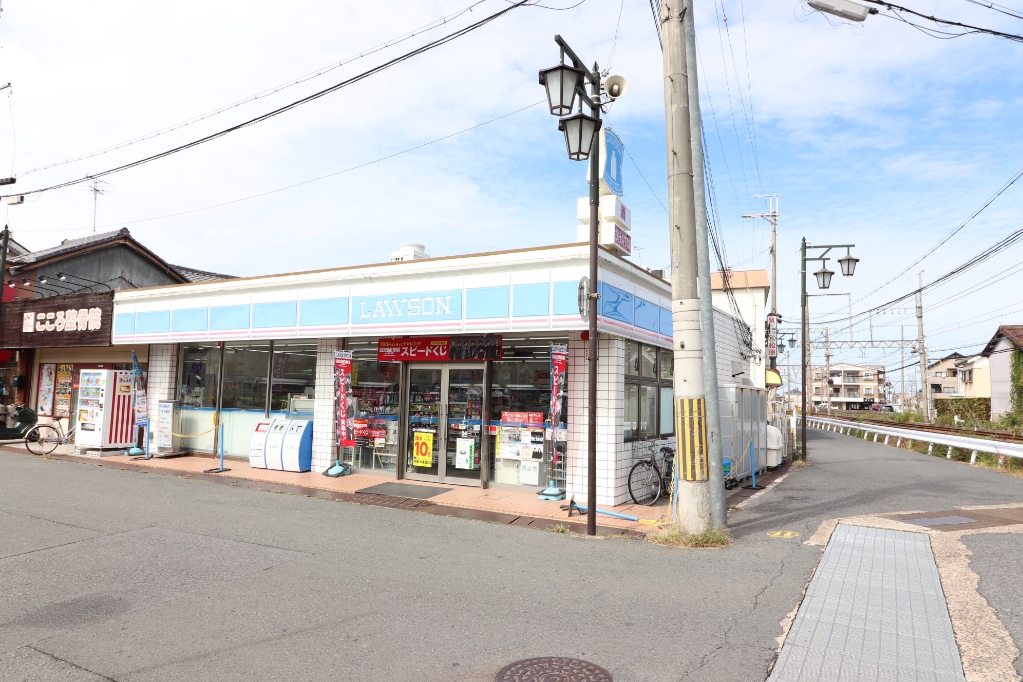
(553,669)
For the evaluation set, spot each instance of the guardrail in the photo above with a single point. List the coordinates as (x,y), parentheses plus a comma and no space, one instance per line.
(943,439)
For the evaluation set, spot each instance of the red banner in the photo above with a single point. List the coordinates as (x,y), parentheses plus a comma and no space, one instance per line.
(344,399)
(525,418)
(559,365)
(440,348)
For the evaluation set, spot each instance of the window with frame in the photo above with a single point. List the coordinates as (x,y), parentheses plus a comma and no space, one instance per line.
(868,376)
(648,391)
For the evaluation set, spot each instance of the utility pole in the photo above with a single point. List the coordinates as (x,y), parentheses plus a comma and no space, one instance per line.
(3,261)
(922,348)
(693,494)
(773,204)
(96,191)
(902,368)
(716,475)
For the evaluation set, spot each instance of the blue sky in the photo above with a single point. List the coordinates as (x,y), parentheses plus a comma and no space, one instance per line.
(874,134)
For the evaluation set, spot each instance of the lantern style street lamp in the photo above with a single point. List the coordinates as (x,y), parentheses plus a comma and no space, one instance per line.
(823,278)
(564,85)
(848,266)
(562,82)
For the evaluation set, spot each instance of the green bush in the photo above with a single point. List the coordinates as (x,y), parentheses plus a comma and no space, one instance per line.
(971,410)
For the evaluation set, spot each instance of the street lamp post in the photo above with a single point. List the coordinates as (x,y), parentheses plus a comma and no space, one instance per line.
(848,266)
(564,84)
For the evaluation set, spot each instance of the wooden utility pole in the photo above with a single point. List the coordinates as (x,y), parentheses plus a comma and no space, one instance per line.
(922,348)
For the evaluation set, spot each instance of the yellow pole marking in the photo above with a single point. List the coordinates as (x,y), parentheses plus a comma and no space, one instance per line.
(783,534)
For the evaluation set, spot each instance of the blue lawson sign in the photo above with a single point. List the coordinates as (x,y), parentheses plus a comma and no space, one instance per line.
(614,156)
(415,307)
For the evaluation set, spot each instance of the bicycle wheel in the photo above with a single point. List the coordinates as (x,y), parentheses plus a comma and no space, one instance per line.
(42,439)
(645,482)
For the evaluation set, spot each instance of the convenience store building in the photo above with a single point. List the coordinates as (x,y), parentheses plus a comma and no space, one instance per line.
(456,349)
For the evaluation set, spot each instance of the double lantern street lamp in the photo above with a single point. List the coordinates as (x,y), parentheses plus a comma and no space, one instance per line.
(847,263)
(565,84)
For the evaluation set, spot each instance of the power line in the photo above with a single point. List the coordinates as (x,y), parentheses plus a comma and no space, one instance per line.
(280,110)
(316,179)
(1001,9)
(951,234)
(935,33)
(266,93)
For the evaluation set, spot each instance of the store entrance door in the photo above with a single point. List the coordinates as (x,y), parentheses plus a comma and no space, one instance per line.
(445,423)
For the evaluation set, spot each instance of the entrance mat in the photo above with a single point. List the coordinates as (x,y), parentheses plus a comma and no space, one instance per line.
(419,492)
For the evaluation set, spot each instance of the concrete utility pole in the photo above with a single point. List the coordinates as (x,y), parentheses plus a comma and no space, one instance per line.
(902,369)
(774,202)
(922,347)
(718,506)
(693,494)
(827,368)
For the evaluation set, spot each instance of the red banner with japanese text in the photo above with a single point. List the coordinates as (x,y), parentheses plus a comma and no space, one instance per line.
(559,365)
(344,399)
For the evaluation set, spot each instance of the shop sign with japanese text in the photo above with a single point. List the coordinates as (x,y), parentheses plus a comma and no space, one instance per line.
(440,348)
(57,321)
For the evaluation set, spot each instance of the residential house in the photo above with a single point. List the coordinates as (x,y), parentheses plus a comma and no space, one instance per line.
(999,351)
(943,377)
(974,376)
(750,289)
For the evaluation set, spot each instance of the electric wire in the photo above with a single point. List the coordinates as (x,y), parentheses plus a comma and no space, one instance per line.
(655,10)
(935,33)
(280,110)
(614,44)
(990,200)
(310,180)
(1002,9)
(731,106)
(268,92)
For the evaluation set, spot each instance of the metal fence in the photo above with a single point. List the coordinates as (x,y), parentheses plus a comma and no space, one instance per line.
(949,441)
(743,419)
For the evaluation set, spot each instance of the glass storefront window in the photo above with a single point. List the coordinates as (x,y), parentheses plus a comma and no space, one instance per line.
(245,373)
(200,371)
(376,388)
(667,410)
(631,421)
(667,363)
(648,412)
(520,395)
(648,362)
(631,358)
(293,378)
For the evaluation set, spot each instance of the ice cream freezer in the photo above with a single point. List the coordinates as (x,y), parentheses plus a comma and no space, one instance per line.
(105,415)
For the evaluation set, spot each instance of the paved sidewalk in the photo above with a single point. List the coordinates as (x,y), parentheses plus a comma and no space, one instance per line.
(874,610)
(489,502)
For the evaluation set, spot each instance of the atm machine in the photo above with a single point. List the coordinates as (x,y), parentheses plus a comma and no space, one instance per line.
(274,444)
(105,415)
(257,443)
(297,453)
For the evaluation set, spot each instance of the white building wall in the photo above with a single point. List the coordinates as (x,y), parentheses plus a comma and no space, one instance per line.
(752,304)
(324,436)
(999,365)
(162,377)
(727,346)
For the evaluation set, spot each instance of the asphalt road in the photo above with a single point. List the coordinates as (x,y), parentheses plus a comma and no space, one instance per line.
(997,559)
(119,575)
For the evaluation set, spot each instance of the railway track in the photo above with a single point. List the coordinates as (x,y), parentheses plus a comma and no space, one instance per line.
(934,428)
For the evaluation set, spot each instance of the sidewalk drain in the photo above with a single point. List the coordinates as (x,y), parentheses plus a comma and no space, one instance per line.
(553,669)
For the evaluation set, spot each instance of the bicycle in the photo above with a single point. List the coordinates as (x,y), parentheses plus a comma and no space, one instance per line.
(43,439)
(647,481)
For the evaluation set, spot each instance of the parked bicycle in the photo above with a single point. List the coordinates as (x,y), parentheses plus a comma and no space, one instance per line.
(648,481)
(43,439)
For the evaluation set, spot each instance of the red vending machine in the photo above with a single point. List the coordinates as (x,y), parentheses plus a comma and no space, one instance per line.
(105,415)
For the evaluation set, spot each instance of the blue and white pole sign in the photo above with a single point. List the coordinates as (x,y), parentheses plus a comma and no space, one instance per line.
(613,155)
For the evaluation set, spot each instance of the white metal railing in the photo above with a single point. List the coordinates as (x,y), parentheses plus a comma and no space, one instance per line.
(950,441)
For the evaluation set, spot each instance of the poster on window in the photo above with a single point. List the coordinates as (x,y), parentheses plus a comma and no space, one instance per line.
(62,391)
(343,398)
(465,453)
(422,449)
(47,384)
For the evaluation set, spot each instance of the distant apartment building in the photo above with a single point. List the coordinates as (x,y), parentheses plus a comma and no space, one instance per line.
(851,387)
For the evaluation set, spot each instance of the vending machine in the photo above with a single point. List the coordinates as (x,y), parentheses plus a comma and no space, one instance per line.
(297,453)
(274,444)
(105,415)
(257,443)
